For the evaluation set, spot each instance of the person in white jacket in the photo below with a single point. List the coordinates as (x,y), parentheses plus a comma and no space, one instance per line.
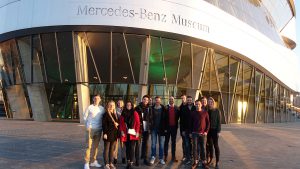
(93,124)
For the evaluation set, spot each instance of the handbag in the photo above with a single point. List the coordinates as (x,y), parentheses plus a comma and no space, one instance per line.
(132,132)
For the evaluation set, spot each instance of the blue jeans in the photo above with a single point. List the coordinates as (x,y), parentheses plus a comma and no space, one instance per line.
(187,146)
(199,144)
(161,141)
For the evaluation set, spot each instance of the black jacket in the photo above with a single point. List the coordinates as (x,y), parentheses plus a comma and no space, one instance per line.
(109,127)
(143,109)
(163,120)
(185,117)
(177,113)
(215,119)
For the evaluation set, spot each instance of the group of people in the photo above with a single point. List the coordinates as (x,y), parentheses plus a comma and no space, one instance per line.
(131,128)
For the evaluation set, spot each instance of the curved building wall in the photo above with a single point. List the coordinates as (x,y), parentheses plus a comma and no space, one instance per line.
(65,51)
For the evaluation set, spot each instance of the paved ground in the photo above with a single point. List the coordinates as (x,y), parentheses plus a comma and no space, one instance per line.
(57,145)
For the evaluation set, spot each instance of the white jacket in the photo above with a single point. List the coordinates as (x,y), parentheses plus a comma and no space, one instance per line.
(93,116)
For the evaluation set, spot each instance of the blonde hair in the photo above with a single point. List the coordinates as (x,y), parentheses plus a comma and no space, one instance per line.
(107,106)
(213,100)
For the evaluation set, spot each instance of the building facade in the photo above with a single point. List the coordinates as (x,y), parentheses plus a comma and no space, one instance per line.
(56,54)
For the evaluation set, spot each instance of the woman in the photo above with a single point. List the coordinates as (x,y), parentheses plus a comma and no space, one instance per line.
(214,131)
(119,109)
(129,129)
(110,133)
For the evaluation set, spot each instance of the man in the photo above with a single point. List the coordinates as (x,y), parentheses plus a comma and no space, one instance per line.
(93,123)
(157,125)
(185,124)
(172,116)
(199,129)
(183,103)
(143,110)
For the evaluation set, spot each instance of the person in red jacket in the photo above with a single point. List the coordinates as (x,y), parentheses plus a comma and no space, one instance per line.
(199,128)
(130,131)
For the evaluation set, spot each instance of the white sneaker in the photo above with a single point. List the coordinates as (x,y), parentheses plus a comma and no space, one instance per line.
(95,164)
(152,160)
(86,166)
(162,162)
(106,166)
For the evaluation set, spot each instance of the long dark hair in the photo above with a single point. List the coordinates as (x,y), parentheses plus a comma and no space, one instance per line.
(128,114)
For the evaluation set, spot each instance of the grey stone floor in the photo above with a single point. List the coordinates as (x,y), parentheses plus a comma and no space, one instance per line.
(58,145)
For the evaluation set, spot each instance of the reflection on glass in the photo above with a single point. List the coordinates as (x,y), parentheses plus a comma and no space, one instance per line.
(24,45)
(100,48)
(156,73)
(171,49)
(121,70)
(50,57)
(66,56)
(185,68)
(199,54)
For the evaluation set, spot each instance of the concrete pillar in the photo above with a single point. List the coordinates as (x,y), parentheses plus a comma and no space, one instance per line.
(17,101)
(81,68)
(193,92)
(39,101)
(143,80)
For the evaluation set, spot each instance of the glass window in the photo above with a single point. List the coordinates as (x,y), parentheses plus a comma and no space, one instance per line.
(171,52)
(269,101)
(121,70)
(199,53)
(205,84)
(135,46)
(259,99)
(8,62)
(50,57)
(100,48)
(62,101)
(115,92)
(16,63)
(38,71)
(24,45)
(239,104)
(156,74)
(66,56)
(185,67)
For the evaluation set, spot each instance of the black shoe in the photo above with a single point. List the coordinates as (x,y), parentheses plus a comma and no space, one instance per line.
(137,163)
(174,159)
(123,161)
(129,165)
(146,162)
(115,161)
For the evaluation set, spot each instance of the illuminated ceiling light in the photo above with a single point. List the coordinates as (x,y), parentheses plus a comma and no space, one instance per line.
(66,80)
(125,77)
(95,77)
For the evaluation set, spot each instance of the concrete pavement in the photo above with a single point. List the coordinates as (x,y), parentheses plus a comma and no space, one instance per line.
(60,145)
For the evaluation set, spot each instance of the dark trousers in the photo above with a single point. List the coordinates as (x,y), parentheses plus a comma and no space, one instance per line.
(199,143)
(137,150)
(145,145)
(108,153)
(183,145)
(213,143)
(172,132)
(130,148)
(188,146)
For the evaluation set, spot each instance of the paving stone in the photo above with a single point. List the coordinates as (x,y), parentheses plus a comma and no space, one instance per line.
(60,145)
